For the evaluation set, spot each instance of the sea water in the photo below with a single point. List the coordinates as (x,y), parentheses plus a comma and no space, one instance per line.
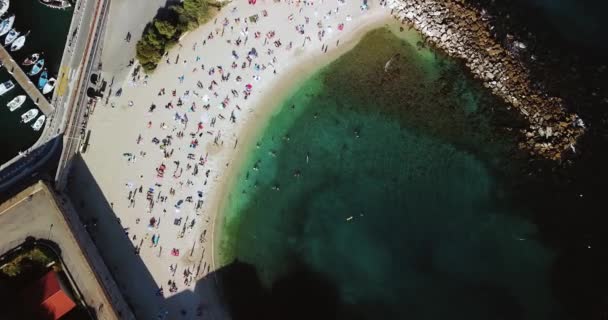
(382,192)
(48,33)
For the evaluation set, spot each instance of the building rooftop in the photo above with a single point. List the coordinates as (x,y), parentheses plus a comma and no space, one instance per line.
(37,212)
(47,298)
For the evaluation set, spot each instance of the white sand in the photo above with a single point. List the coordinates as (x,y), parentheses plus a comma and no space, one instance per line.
(115,131)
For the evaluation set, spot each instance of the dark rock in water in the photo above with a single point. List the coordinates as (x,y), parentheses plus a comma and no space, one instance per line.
(462,31)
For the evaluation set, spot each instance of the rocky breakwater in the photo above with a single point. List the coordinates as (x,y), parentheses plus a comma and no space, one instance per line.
(463,31)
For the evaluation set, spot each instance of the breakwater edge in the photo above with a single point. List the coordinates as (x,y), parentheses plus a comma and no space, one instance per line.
(464,32)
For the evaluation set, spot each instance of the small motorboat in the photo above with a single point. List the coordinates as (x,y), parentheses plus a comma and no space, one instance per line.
(44,76)
(16,102)
(18,44)
(11,36)
(56,4)
(6,87)
(31,59)
(4,6)
(29,115)
(49,86)
(6,25)
(39,122)
(37,67)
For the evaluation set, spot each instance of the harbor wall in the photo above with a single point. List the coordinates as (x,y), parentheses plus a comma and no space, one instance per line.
(464,32)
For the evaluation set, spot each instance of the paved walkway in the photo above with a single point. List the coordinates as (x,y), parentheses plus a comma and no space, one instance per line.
(37,212)
(24,81)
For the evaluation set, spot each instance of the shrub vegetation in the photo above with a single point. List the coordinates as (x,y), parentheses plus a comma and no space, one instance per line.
(36,257)
(163,33)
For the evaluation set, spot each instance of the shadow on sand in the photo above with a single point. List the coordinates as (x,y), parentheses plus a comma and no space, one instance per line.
(234,291)
(115,247)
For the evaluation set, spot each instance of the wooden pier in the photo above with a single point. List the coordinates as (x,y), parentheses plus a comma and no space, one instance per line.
(25,82)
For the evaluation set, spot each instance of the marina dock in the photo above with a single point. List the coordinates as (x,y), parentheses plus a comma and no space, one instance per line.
(24,81)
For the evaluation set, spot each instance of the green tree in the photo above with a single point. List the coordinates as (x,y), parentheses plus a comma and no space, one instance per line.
(161,35)
(165,28)
(150,48)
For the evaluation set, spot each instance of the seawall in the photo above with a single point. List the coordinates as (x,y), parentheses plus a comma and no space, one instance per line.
(464,32)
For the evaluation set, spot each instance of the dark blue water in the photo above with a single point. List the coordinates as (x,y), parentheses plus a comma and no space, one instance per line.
(567,38)
(48,33)
(388,191)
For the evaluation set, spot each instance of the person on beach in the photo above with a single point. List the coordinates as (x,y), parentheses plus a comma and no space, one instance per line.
(198,126)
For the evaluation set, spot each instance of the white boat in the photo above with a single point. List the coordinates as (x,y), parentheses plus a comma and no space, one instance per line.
(37,67)
(6,87)
(16,102)
(11,36)
(6,24)
(56,4)
(29,115)
(39,122)
(4,4)
(49,86)
(18,44)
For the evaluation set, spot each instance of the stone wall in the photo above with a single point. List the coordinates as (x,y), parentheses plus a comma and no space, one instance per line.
(463,32)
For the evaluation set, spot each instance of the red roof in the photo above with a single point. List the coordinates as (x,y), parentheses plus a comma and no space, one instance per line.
(47,299)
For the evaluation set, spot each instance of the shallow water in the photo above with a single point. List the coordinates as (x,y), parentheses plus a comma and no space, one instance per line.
(387,194)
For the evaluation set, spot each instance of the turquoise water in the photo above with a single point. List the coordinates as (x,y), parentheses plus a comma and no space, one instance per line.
(48,33)
(386,195)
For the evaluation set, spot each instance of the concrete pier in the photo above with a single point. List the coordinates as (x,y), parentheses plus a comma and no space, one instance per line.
(24,81)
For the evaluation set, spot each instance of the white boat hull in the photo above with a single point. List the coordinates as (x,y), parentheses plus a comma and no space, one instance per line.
(4,4)
(6,87)
(29,116)
(49,86)
(16,103)
(18,44)
(6,25)
(11,36)
(39,123)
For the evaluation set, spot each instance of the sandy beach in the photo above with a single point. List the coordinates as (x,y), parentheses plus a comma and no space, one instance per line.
(165,151)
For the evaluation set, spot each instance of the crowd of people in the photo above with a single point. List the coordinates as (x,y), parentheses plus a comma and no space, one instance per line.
(199,112)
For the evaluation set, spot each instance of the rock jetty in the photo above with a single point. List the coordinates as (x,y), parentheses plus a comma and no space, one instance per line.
(463,31)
